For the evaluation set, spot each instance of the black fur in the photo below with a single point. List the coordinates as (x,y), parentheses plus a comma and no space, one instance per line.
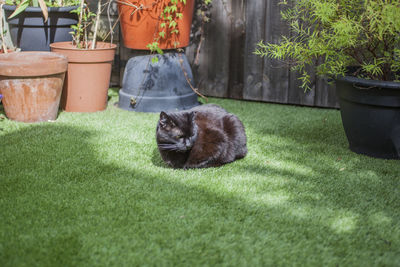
(205,136)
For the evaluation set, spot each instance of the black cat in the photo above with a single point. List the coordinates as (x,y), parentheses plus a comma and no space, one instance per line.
(205,136)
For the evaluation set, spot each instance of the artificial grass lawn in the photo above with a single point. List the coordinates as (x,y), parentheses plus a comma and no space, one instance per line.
(91,190)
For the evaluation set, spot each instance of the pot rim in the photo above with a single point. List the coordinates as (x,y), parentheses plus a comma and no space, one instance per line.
(42,64)
(369,83)
(39,10)
(68,46)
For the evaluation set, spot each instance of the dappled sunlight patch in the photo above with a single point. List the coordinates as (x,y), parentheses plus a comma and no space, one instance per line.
(344,224)
(270,198)
(380,219)
(370,175)
(300,212)
(297,169)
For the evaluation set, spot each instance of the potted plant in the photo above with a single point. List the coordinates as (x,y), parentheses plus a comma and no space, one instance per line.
(155,26)
(358,44)
(31,85)
(89,67)
(34,24)
(30,82)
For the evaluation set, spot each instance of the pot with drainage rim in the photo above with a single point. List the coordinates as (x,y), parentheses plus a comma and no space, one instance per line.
(165,85)
(31,84)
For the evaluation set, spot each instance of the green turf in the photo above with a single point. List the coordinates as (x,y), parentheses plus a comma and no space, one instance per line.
(91,190)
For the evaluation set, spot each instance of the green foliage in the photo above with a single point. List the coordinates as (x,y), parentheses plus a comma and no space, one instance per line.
(49,3)
(168,26)
(80,31)
(23,4)
(333,35)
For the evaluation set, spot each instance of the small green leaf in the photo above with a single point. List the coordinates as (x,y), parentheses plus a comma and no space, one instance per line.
(20,8)
(154,59)
(172,24)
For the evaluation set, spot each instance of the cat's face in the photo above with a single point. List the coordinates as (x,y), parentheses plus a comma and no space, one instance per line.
(175,131)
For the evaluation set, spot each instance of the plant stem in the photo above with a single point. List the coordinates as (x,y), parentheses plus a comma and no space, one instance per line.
(3,43)
(78,36)
(96,26)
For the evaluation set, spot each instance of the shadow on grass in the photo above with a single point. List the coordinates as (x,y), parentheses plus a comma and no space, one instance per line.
(63,204)
(157,160)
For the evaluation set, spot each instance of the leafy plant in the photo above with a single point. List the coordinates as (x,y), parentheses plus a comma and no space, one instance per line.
(171,13)
(80,31)
(168,26)
(43,4)
(334,35)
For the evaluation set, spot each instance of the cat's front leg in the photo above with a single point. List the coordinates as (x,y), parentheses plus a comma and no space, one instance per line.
(199,159)
(192,165)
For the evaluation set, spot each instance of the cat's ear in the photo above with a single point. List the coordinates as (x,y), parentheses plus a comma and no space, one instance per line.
(192,116)
(163,119)
(163,115)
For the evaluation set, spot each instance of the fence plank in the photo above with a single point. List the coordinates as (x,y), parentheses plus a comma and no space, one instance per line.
(213,67)
(253,65)
(276,74)
(236,56)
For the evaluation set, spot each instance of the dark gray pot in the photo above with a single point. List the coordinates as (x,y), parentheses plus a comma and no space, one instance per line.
(30,33)
(155,87)
(371,116)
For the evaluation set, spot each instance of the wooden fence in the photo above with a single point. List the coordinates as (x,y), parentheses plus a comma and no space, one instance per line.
(227,66)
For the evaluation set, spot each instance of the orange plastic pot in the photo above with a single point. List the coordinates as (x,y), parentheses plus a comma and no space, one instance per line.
(141,27)
(88,76)
(31,84)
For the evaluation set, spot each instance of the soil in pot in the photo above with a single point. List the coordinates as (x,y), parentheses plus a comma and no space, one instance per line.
(88,76)
(31,84)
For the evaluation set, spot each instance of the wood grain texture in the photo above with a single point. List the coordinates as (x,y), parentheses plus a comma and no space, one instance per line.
(254,78)
(251,77)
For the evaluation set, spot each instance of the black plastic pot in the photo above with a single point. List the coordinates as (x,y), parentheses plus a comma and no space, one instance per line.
(155,87)
(30,33)
(371,116)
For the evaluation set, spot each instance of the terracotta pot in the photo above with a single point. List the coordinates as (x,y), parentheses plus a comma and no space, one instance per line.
(8,51)
(31,84)
(88,76)
(139,28)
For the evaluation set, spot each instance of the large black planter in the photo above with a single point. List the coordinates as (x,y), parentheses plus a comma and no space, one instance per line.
(155,87)
(371,116)
(30,33)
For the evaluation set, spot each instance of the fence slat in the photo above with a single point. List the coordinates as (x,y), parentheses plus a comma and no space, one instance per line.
(253,65)
(238,39)
(276,74)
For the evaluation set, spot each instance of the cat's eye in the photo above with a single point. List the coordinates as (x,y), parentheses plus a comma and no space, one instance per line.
(178,136)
